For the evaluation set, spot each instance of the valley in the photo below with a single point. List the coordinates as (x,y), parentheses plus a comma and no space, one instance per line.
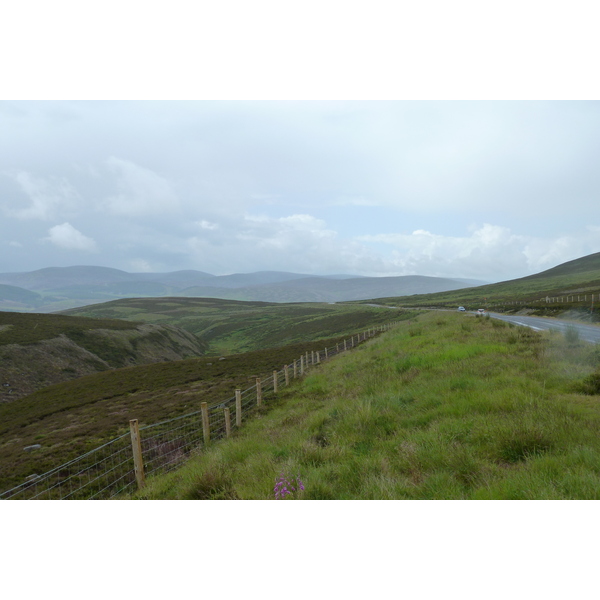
(76,378)
(55,289)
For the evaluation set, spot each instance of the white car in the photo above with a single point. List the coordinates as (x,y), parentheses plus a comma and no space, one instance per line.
(461,309)
(481,311)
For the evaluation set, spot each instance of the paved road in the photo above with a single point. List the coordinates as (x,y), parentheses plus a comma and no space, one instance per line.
(589,333)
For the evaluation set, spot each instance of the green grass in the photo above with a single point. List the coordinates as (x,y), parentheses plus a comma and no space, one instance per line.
(465,409)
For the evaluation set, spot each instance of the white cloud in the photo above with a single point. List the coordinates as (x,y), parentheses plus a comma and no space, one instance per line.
(47,197)
(490,252)
(207,225)
(141,191)
(299,243)
(67,237)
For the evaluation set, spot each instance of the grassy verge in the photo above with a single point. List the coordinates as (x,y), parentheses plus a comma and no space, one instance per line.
(449,407)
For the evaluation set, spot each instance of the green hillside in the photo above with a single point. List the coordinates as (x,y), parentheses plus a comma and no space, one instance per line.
(573,282)
(17,298)
(231,327)
(19,328)
(37,350)
(449,407)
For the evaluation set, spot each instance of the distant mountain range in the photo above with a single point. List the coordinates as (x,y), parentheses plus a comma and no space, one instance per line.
(58,288)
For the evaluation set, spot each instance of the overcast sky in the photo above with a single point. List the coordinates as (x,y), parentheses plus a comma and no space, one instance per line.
(304,180)
(485,190)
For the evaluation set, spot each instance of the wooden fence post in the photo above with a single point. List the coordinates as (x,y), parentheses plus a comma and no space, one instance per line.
(227,422)
(258,392)
(302,365)
(286,373)
(312,357)
(275,382)
(318,357)
(295,368)
(326,357)
(345,346)
(205,422)
(138,461)
(238,408)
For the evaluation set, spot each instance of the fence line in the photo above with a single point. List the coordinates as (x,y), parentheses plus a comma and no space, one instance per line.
(122,464)
(584,300)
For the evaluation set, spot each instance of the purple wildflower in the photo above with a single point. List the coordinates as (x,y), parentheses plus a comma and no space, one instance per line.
(286,487)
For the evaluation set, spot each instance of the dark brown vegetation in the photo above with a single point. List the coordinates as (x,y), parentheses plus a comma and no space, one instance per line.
(37,350)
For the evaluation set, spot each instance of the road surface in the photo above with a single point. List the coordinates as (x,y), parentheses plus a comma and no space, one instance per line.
(589,333)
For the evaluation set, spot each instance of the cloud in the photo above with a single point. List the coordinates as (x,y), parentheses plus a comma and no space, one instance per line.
(141,191)
(207,225)
(490,251)
(67,237)
(299,242)
(187,185)
(47,196)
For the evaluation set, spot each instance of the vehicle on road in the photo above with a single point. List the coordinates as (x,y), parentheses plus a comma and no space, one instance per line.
(480,311)
(462,309)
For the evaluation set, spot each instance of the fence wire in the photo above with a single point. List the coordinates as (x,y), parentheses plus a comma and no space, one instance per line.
(101,473)
(165,445)
(108,471)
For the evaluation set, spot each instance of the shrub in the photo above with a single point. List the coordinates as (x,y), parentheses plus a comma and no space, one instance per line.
(571,335)
(211,485)
(591,384)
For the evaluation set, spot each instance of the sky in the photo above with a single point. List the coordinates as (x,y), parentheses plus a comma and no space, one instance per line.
(380,143)
(489,190)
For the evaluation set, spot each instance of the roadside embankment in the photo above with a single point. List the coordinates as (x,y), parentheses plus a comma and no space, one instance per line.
(448,406)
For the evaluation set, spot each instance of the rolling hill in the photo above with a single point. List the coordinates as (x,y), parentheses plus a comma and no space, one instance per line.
(61,288)
(232,326)
(17,298)
(38,350)
(572,282)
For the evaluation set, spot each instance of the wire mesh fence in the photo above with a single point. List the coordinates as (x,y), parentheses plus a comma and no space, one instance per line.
(110,470)
(165,445)
(103,472)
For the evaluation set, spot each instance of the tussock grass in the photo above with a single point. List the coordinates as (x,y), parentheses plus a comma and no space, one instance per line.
(465,409)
